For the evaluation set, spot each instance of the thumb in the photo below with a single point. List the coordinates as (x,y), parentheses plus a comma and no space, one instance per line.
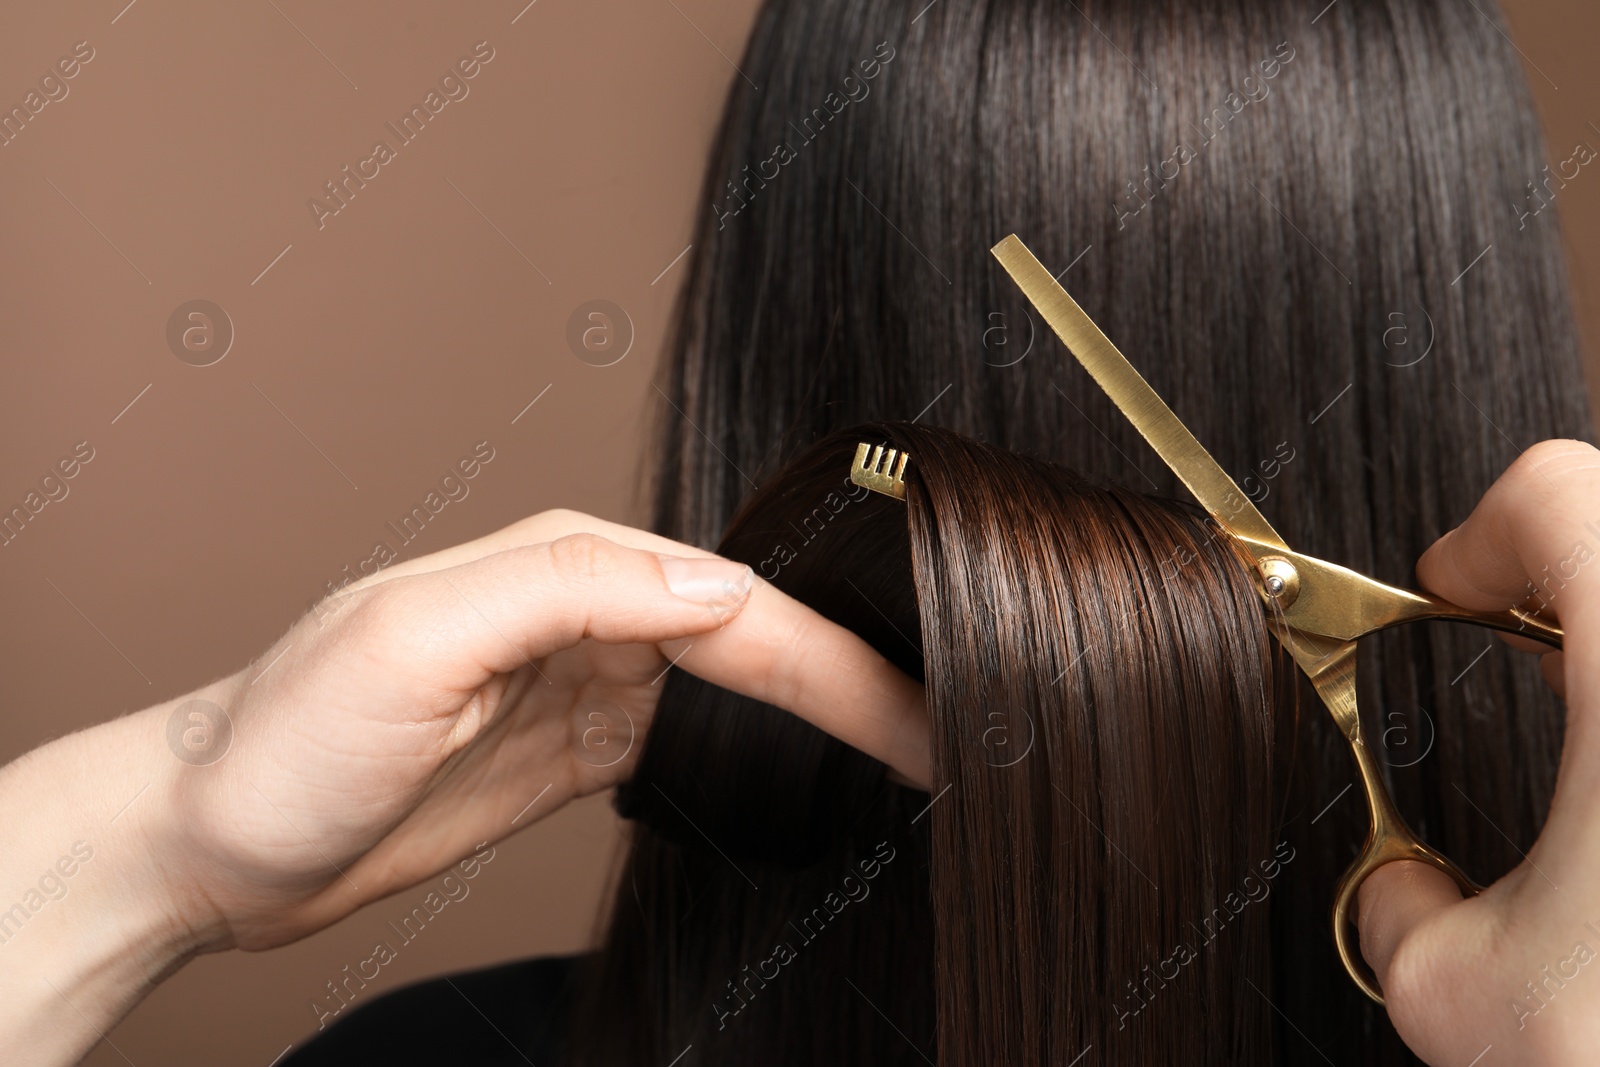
(1393,901)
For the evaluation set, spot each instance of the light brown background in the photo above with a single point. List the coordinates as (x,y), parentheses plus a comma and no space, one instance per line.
(367,359)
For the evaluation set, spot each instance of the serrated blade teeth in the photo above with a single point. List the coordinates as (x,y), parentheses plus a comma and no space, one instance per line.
(883,470)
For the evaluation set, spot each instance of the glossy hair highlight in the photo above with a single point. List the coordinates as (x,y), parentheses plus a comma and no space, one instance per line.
(1090,866)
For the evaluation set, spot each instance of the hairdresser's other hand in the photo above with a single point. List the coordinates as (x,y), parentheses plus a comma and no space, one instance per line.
(1518,966)
(438,704)
(449,700)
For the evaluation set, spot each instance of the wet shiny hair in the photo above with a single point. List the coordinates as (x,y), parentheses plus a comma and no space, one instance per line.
(1311,230)
(1092,865)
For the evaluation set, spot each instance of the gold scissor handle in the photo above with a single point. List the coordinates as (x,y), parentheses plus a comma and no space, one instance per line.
(1331,666)
(1315,597)
(1511,621)
(1389,839)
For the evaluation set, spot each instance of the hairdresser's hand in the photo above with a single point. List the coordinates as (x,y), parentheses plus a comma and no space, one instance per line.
(1517,967)
(441,703)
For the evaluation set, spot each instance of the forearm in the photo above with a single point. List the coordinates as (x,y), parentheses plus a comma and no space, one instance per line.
(87,927)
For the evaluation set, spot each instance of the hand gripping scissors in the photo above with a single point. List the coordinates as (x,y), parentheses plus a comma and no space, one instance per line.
(1317,610)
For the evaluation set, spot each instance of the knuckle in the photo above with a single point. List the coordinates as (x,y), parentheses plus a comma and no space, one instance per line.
(1550,492)
(585,558)
(788,668)
(375,609)
(1561,458)
(1557,447)
(405,619)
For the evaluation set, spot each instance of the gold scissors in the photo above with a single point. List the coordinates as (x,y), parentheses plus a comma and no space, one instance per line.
(1317,610)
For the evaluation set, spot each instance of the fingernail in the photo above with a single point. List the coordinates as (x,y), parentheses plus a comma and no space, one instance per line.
(707,581)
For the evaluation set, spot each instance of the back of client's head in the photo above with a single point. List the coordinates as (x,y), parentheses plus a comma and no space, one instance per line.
(1088,865)
(1313,228)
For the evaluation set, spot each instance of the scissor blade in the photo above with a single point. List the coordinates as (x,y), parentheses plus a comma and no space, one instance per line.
(1149,414)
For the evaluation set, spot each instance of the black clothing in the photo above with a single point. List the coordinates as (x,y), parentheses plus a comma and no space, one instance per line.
(505,1016)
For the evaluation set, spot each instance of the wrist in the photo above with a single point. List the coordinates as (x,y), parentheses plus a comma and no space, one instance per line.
(186,740)
(91,917)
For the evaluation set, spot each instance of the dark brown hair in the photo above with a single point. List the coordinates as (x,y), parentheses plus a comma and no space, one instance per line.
(1091,866)
(1283,212)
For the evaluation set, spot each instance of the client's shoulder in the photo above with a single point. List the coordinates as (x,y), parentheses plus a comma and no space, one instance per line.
(511,1013)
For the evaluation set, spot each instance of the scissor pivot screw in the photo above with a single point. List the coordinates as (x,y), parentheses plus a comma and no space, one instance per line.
(1279,580)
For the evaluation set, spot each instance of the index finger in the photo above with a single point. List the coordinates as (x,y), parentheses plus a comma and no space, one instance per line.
(782,652)
(494,613)
(777,650)
(1533,535)
(1537,531)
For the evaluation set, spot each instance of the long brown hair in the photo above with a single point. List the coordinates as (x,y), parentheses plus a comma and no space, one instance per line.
(1089,869)
(1313,229)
